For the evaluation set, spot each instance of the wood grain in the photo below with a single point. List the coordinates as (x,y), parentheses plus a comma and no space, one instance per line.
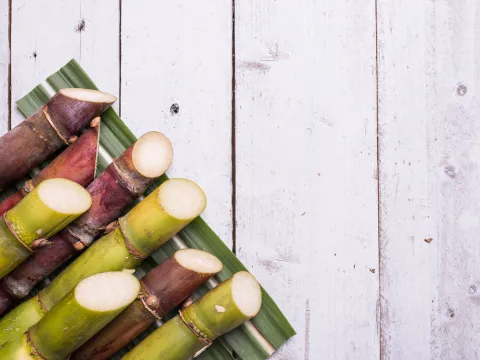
(306,168)
(4,66)
(430,169)
(176,61)
(46,34)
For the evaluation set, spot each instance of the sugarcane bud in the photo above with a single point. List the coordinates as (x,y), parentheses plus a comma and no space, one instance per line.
(152,301)
(95,122)
(111,226)
(39,243)
(188,302)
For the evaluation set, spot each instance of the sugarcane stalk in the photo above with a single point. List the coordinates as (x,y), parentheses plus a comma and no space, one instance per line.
(42,213)
(52,127)
(76,163)
(95,302)
(149,225)
(163,289)
(219,311)
(118,186)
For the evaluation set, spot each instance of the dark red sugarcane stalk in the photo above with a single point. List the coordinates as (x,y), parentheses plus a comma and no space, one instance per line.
(76,163)
(116,188)
(50,128)
(163,289)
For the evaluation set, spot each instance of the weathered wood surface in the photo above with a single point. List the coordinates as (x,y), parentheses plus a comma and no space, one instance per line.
(315,212)
(429,129)
(306,164)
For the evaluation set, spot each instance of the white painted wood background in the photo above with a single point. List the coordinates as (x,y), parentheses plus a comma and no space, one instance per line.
(352,136)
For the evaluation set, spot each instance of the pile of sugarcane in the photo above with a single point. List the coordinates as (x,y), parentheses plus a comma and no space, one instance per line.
(95,306)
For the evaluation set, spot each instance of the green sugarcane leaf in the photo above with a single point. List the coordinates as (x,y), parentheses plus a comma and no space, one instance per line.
(269,329)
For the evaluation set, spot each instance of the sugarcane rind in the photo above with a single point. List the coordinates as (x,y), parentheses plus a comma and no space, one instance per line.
(14,233)
(199,334)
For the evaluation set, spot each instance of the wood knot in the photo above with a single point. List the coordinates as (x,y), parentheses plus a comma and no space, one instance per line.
(450,313)
(174,109)
(462,90)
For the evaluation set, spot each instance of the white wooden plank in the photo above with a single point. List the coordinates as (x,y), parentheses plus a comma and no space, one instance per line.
(307,190)
(430,170)
(179,52)
(4,64)
(46,34)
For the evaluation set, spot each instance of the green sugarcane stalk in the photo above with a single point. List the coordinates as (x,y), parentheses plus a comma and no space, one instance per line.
(197,326)
(32,221)
(144,229)
(72,321)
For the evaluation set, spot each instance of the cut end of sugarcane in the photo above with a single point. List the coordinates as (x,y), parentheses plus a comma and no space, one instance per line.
(64,196)
(152,154)
(182,198)
(198,261)
(246,293)
(88,95)
(108,291)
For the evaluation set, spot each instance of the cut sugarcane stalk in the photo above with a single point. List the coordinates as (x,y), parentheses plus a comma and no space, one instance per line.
(41,214)
(52,127)
(47,209)
(76,163)
(149,225)
(163,289)
(95,302)
(118,186)
(221,310)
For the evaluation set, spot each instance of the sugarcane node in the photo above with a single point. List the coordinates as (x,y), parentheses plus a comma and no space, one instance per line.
(123,176)
(39,243)
(130,247)
(61,132)
(194,329)
(72,139)
(95,122)
(33,348)
(14,233)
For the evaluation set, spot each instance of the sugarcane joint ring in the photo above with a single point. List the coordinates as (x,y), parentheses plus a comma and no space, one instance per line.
(196,332)
(62,133)
(124,179)
(32,347)
(130,247)
(14,233)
